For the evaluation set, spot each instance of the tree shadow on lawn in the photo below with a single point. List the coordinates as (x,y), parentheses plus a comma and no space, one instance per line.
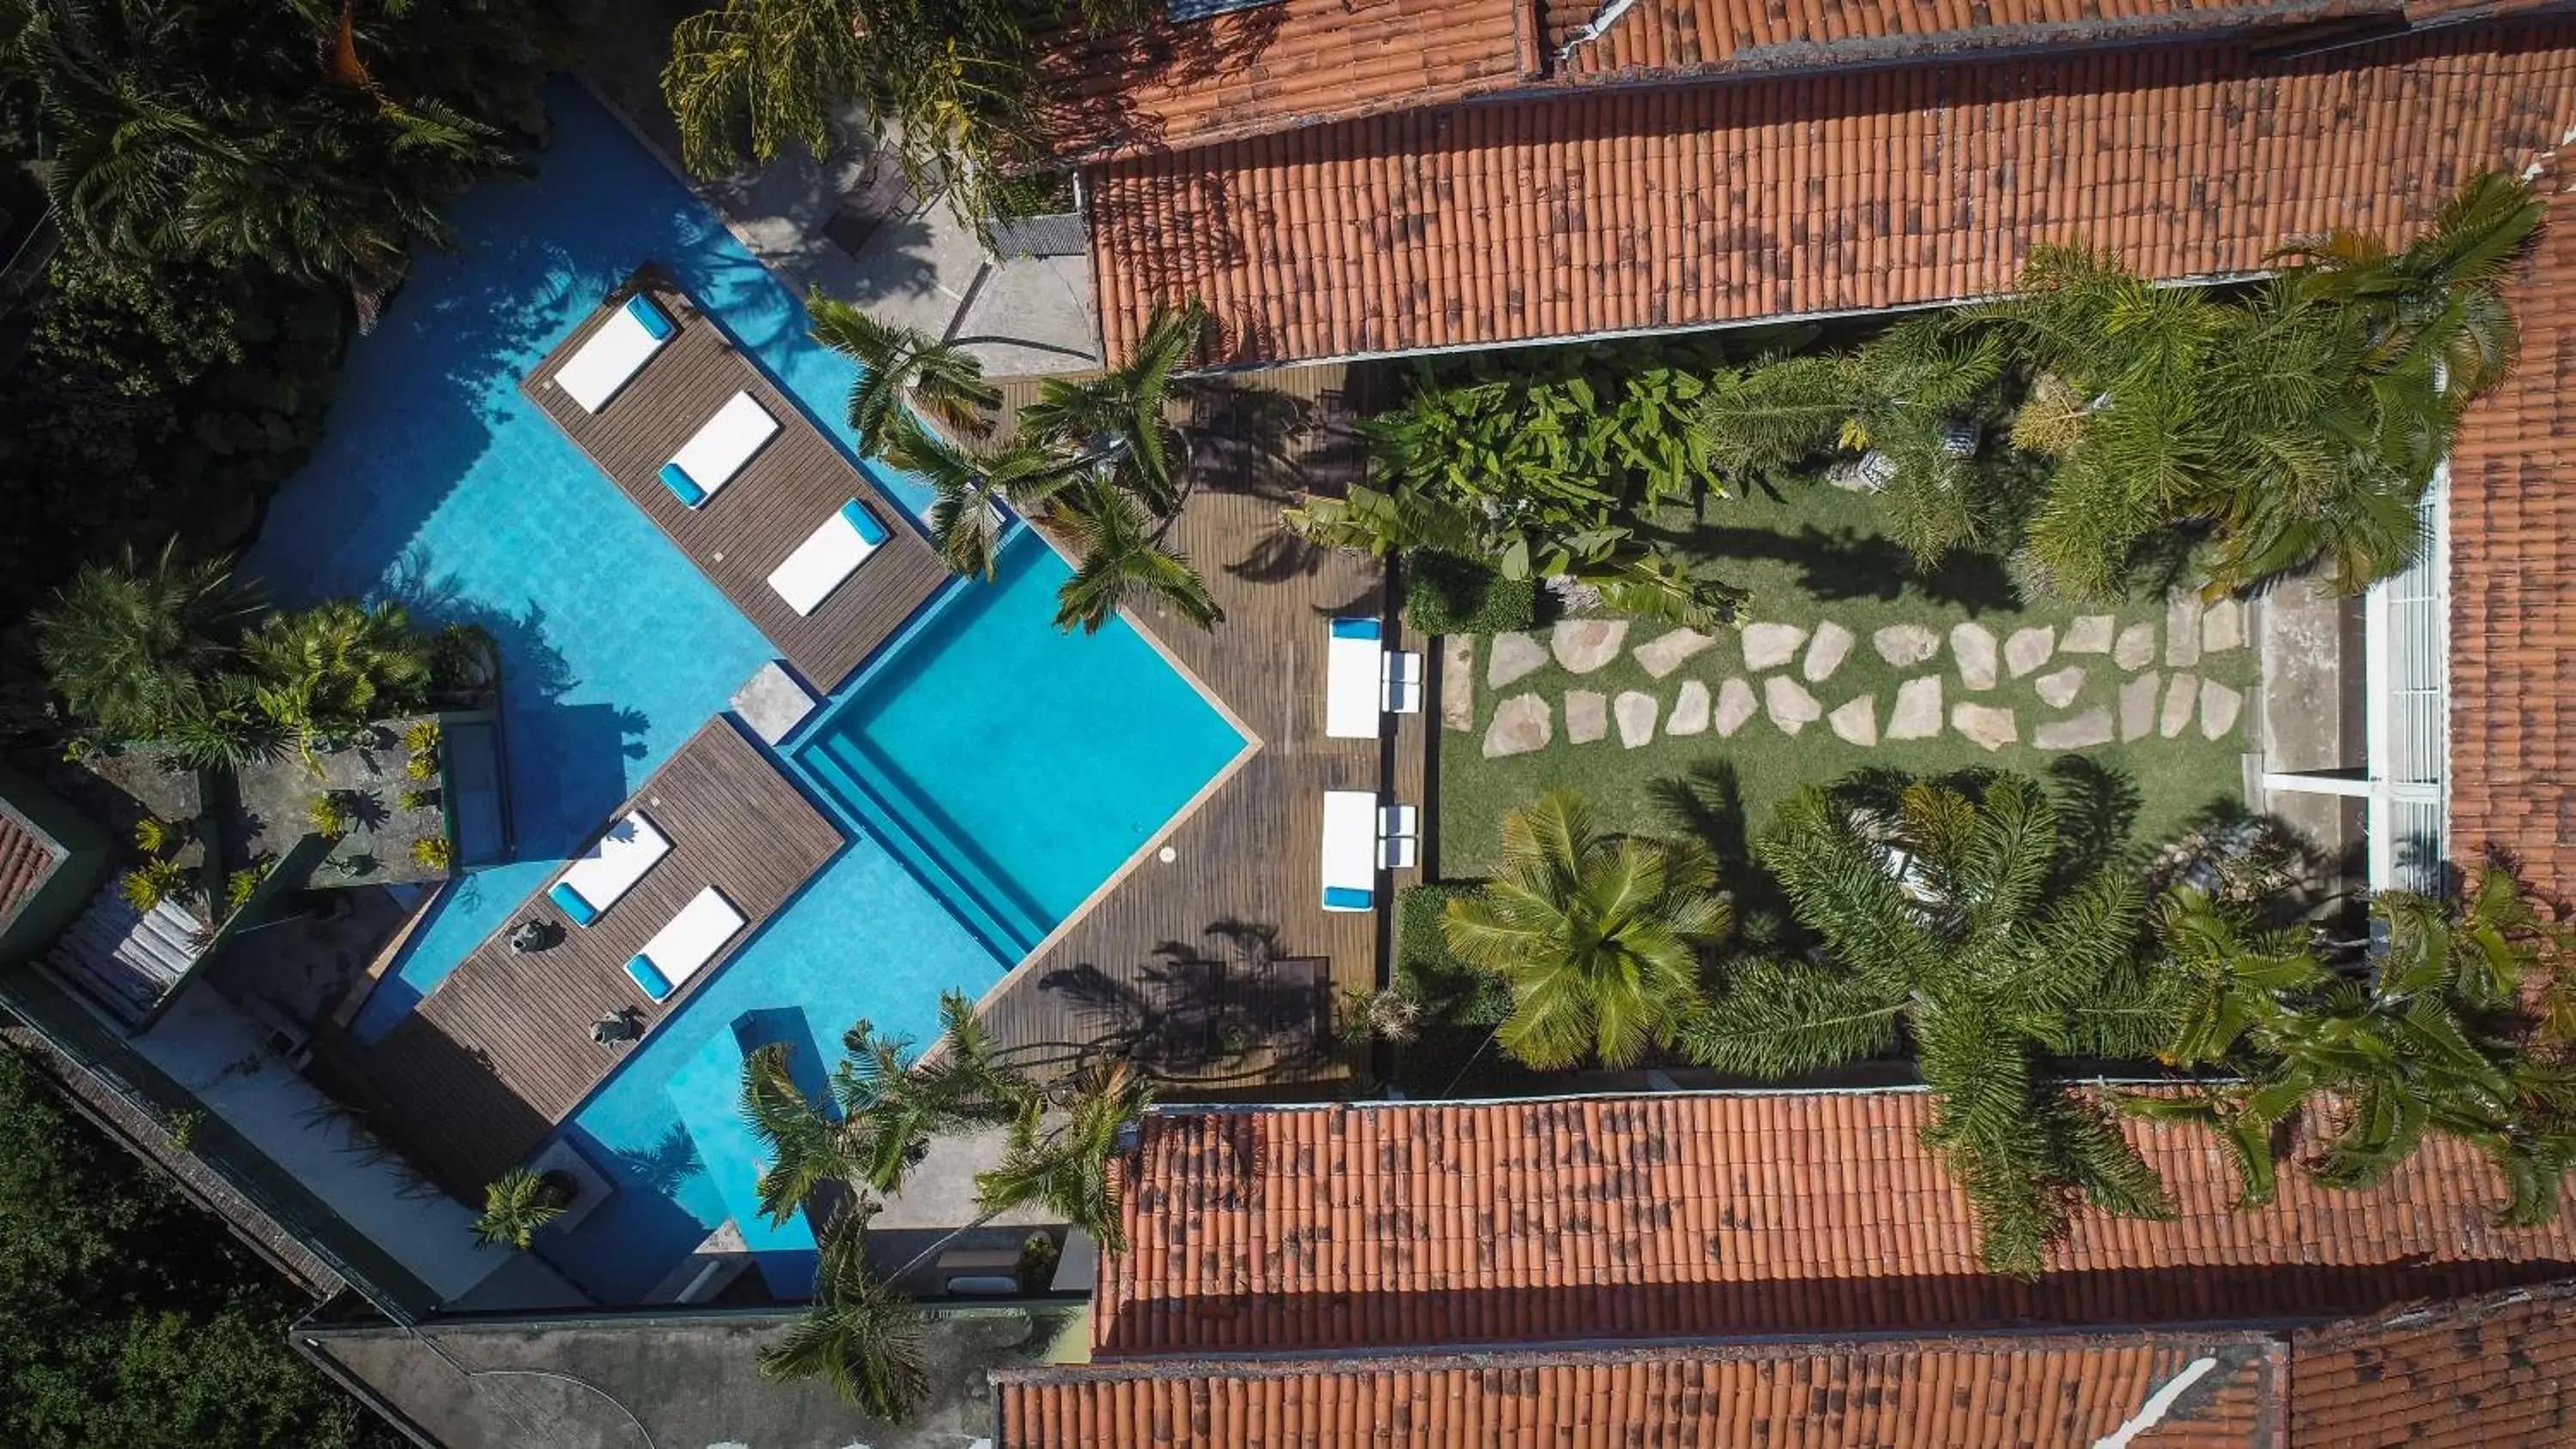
(1707,805)
(1839,564)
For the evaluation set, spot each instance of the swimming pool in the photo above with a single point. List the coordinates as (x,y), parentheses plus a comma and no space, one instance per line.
(440,484)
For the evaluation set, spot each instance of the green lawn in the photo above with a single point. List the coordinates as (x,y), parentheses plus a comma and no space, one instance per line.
(1813,556)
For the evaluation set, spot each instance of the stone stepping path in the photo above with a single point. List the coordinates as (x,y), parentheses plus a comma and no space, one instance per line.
(2089,683)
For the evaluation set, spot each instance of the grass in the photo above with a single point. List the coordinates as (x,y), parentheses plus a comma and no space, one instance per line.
(1811,555)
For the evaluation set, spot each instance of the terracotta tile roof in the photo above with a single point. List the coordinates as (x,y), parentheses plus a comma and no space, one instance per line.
(2483,1373)
(1698,205)
(1722,1215)
(1959,1394)
(2513,553)
(28,857)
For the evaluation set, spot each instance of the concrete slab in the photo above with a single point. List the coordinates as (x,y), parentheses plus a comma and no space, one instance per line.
(773,703)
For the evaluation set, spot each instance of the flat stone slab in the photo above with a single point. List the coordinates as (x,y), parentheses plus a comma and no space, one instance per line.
(1789,704)
(2029,648)
(2083,732)
(2138,705)
(2137,647)
(1520,726)
(1636,713)
(1690,710)
(1458,682)
(2058,687)
(1587,716)
(1735,705)
(2182,629)
(772,702)
(1855,721)
(1905,645)
(2089,634)
(1514,657)
(1973,646)
(1664,654)
(2181,693)
(1985,724)
(2222,627)
(2219,705)
(1917,715)
(1826,652)
(1768,646)
(1586,644)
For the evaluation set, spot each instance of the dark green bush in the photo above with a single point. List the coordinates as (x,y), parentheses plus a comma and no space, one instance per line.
(1450,991)
(1445,593)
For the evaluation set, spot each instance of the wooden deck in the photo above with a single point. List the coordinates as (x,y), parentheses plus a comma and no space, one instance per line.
(473,1079)
(787,489)
(1206,967)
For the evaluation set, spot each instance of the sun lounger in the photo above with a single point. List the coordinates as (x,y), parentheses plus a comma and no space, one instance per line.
(1403,682)
(830,554)
(1350,850)
(678,950)
(709,460)
(1353,665)
(609,869)
(615,353)
(1399,836)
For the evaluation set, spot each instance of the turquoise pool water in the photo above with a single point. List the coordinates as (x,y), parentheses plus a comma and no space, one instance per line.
(441,485)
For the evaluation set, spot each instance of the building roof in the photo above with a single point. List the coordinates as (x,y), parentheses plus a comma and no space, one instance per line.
(1959,1394)
(1575,215)
(1716,1215)
(2481,1373)
(2513,552)
(28,859)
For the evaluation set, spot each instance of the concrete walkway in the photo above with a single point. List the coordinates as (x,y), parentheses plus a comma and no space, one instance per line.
(850,228)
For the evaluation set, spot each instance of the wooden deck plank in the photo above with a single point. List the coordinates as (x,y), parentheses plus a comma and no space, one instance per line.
(473,1078)
(796,481)
(1182,954)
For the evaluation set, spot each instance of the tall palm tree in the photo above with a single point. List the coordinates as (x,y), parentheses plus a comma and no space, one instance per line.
(768,72)
(518,1203)
(134,646)
(2434,1039)
(1063,1164)
(338,665)
(862,1334)
(1946,925)
(900,364)
(1119,422)
(963,524)
(1597,935)
(1119,562)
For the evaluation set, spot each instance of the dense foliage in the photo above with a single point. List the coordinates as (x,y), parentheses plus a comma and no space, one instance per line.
(956,87)
(128,1320)
(1446,593)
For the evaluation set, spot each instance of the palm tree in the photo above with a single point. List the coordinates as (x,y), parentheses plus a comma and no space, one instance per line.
(518,1203)
(2435,1039)
(1118,422)
(1120,561)
(964,525)
(861,1334)
(899,365)
(1063,1165)
(769,71)
(337,666)
(133,647)
(1597,936)
(1947,923)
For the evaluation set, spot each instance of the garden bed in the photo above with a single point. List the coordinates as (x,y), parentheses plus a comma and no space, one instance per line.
(1815,558)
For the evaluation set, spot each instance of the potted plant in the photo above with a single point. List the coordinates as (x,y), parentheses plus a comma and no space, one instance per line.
(520,1202)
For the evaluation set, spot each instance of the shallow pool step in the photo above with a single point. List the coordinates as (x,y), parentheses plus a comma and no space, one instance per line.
(707,1092)
(985,906)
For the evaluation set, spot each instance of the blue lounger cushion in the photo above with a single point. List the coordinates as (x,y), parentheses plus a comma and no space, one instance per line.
(865,522)
(655,324)
(573,905)
(648,980)
(1355,629)
(1348,897)
(677,479)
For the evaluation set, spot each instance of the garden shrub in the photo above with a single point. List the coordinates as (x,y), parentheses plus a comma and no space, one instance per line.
(1447,593)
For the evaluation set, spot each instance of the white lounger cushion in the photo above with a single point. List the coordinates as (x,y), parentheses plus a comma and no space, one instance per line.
(1350,849)
(828,555)
(1352,665)
(609,869)
(614,354)
(679,949)
(725,443)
